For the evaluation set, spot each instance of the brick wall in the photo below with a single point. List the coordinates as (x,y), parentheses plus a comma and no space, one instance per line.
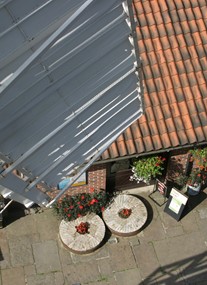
(96,179)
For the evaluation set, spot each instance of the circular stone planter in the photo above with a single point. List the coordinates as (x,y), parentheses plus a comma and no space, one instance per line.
(82,243)
(125,226)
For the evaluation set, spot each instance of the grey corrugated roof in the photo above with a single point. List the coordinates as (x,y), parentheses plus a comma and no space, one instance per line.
(71,85)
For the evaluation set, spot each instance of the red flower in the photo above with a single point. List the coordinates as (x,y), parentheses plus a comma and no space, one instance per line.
(91,189)
(65,209)
(102,209)
(81,207)
(78,203)
(69,215)
(71,207)
(79,215)
(199,175)
(93,201)
(82,197)
(157,164)
(163,159)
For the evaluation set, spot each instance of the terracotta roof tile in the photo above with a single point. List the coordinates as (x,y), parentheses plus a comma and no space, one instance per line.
(191,136)
(201,25)
(171,96)
(160,56)
(139,145)
(142,20)
(174,139)
(193,26)
(148,143)
(155,6)
(157,142)
(197,64)
(191,107)
(158,112)
(183,108)
(164,69)
(156,71)
(177,54)
(178,123)
(176,81)
(162,98)
(182,137)
(165,140)
(159,84)
(166,111)
(144,129)
(146,7)
(181,40)
(167,82)
(179,94)
(188,94)
(199,134)
(166,17)
(161,126)
(184,80)
(162,30)
(149,114)
(203,117)
(203,89)
(195,120)
(190,14)
(197,13)
(172,68)
(200,51)
(150,19)
(192,79)
(172,41)
(200,77)
(189,39)
(158,18)
(175,110)
(130,147)
(154,99)
(171,5)
(170,125)
(187,122)
(153,128)
(169,55)
(204,11)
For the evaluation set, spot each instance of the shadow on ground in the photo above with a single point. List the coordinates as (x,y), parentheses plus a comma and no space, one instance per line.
(189,271)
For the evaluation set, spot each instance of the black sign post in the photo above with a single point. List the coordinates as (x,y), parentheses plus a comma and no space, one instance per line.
(160,188)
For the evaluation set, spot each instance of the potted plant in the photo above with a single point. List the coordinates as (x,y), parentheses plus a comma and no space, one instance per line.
(72,207)
(144,169)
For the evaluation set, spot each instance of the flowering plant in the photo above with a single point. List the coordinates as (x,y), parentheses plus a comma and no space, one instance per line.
(144,169)
(82,228)
(125,213)
(200,157)
(72,207)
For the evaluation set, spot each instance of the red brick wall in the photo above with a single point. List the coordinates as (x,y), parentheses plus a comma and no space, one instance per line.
(96,179)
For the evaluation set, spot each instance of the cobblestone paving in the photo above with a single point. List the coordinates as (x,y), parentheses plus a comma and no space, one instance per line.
(164,252)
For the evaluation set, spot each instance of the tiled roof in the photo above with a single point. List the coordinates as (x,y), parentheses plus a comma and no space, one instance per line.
(172,41)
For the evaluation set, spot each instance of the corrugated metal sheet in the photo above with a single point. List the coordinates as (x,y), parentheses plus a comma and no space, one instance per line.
(69,86)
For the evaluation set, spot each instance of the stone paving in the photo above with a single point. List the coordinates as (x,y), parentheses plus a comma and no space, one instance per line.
(164,252)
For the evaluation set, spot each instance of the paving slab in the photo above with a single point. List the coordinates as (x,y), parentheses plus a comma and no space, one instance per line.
(21,251)
(105,267)
(46,279)
(129,277)
(82,273)
(5,260)
(154,231)
(146,259)
(29,270)
(121,257)
(46,256)
(176,249)
(13,276)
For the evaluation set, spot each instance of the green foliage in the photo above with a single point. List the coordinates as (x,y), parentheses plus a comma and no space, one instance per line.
(72,207)
(144,169)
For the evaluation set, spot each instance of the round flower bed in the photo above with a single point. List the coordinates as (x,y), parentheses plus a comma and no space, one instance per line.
(126,215)
(82,235)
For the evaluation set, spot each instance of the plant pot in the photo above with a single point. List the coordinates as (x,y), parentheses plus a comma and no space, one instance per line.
(194,190)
